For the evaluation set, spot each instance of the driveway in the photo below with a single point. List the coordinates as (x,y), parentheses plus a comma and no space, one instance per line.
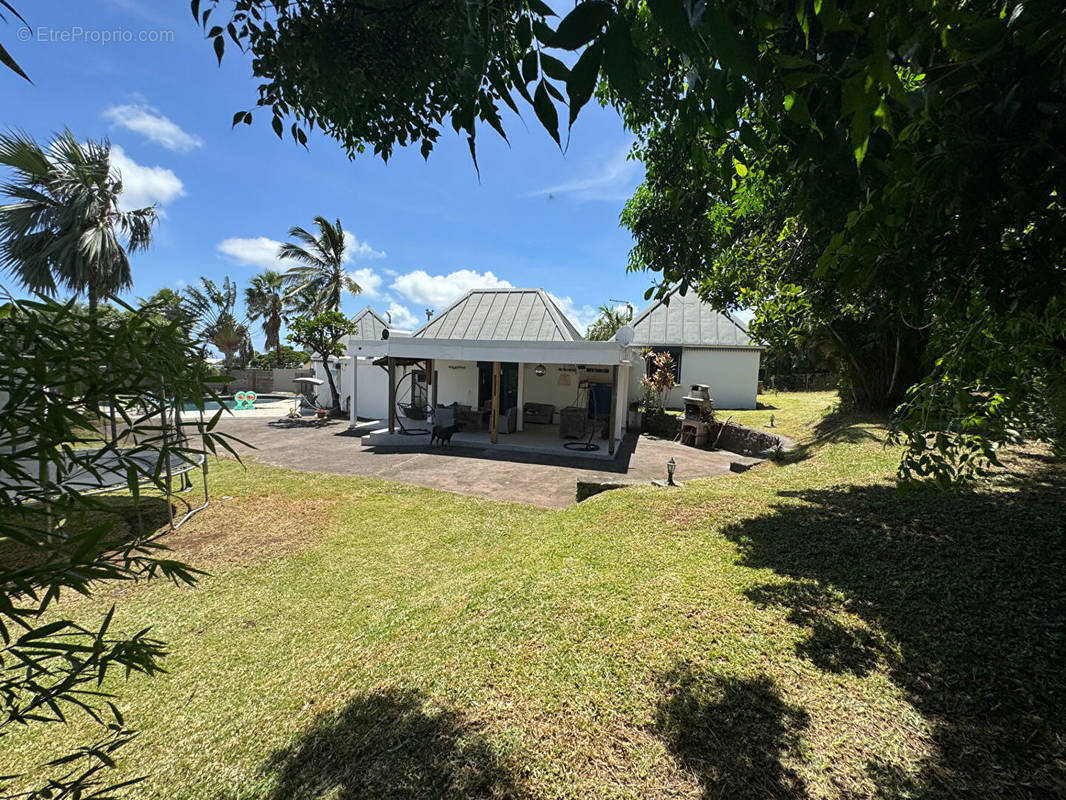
(536,479)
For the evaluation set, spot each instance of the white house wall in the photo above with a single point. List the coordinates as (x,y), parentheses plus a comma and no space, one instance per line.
(456,382)
(373,388)
(733,376)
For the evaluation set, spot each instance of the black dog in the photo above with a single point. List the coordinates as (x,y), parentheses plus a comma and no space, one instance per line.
(443,434)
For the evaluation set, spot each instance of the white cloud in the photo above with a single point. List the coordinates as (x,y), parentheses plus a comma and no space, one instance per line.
(148,122)
(258,251)
(438,291)
(356,249)
(401,317)
(610,180)
(144,186)
(582,316)
(368,280)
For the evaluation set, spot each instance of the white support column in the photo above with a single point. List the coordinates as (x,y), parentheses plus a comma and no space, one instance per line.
(353,417)
(521,394)
(621,401)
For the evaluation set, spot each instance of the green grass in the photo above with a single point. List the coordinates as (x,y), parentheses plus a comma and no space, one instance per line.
(798,415)
(798,630)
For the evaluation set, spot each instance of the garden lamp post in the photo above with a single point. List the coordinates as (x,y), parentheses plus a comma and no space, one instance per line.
(671,465)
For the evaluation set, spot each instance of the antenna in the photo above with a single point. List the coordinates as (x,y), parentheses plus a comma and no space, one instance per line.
(629,306)
(388,318)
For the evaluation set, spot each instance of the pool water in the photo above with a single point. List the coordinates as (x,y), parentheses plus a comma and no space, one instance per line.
(230,403)
(210,405)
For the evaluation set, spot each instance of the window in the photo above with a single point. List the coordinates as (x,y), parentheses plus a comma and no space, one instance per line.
(649,365)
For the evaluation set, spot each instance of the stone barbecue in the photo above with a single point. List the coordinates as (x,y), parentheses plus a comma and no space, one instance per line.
(697,416)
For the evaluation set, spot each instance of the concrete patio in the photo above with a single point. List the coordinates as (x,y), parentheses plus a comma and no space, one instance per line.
(537,439)
(543,479)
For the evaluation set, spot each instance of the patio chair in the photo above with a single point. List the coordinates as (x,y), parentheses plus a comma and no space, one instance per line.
(509,420)
(466,417)
(539,413)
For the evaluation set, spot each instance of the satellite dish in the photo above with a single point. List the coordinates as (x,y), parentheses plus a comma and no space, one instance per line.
(625,335)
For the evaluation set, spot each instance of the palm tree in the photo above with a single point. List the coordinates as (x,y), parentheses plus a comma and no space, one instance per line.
(265,299)
(65,228)
(212,306)
(319,264)
(608,322)
(228,336)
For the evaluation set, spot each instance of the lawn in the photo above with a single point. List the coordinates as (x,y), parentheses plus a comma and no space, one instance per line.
(799,630)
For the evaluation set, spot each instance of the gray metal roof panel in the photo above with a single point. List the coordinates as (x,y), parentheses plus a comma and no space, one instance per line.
(501,315)
(688,320)
(370,325)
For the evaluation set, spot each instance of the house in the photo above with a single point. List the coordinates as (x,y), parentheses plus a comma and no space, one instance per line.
(708,346)
(366,344)
(513,371)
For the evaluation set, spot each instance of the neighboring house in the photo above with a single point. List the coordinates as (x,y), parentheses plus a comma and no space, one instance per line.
(372,388)
(708,347)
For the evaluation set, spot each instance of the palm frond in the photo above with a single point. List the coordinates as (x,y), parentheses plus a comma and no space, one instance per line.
(20,152)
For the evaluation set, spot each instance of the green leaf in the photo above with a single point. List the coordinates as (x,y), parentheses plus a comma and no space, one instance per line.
(499,85)
(553,67)
(582,25)
(220,47)
(529,66)
(750,138)
(672,18)
(524,33)
(546,113)
(619,60)
(11,64)
(582,80)
(544,34)
(541,8)
(279,127)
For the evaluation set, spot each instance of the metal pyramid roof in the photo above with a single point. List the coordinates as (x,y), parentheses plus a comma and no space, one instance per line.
(526,315)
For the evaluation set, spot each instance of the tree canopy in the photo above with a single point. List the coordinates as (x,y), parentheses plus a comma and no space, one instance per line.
(323,335)
(64,227)
(317,278)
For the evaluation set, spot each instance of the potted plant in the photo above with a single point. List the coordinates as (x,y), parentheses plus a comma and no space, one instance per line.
(655,387)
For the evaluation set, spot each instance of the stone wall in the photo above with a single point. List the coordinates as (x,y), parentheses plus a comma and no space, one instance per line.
(748,441)
(661,425)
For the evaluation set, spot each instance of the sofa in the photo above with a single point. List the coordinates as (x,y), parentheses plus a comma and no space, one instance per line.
(538,413)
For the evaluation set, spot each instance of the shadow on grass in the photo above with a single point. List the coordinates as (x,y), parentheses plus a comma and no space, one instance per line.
(838,427)
(968,592)
(391,744)
(732,734)
(831,645)
(129,522)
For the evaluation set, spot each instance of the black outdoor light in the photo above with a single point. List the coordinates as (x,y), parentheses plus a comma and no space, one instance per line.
(539,370)
(671,465)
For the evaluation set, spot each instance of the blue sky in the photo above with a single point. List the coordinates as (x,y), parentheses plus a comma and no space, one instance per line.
(424,231)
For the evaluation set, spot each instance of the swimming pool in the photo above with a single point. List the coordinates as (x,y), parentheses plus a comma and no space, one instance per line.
(230,403)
